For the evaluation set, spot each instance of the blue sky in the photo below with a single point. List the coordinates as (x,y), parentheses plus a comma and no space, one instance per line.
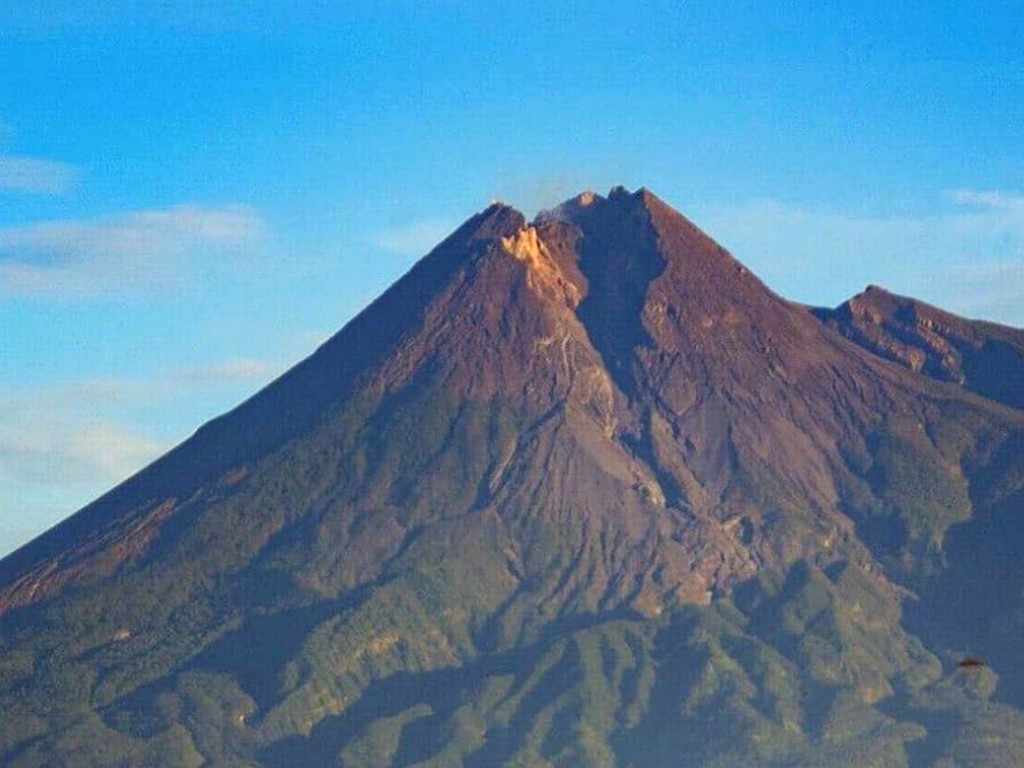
(191,198)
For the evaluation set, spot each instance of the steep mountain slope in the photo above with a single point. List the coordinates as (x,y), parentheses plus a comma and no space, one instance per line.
(983,357)
(581,492)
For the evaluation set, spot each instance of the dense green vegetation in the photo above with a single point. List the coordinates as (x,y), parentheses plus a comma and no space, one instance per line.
(497,533)
(812,668)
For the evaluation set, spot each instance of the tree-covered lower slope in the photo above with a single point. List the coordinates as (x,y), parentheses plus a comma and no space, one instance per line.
(812,669)
(579,493)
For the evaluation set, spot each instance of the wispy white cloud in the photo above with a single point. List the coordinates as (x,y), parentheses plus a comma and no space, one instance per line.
(36,176)
(62,446)
(967,256)
(991,290)
(84,429)
(240,369)
(413,239)
(118,253)
(987,199)
(45,440)
(58,452)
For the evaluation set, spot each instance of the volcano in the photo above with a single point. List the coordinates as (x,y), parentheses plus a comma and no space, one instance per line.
(575,492)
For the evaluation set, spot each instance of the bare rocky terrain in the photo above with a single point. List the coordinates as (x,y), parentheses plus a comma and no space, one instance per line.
(575,492)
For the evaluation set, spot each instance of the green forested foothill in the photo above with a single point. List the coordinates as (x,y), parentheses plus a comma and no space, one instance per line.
(578,493)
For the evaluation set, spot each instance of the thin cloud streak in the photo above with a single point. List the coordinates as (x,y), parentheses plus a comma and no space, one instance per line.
(987,199)
(239,369)
(57,455)
(119,253)
(62,446)
(36,176)
(97,393)
(44,443)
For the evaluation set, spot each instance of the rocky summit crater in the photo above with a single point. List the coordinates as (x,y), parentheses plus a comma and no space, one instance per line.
(576,492)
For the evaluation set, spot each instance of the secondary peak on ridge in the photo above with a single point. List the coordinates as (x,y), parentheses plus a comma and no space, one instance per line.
(494,222)
(544,456)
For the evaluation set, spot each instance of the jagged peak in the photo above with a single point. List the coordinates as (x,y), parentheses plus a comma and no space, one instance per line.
(681,239)
(496,221)
(874,294)
(569,211)
(581,208)
(878,303)
(876,298)
(587,202)
(527,246)
(641,195)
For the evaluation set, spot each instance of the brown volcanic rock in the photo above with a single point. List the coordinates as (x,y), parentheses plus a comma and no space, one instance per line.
(541,430)
(295,403)
(724,389)
(983,357)
(662,384)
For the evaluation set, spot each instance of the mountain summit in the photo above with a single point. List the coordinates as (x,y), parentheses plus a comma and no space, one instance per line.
(581,491)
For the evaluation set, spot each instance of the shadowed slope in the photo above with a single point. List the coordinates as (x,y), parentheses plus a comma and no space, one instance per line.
(582,492)
(983,357)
